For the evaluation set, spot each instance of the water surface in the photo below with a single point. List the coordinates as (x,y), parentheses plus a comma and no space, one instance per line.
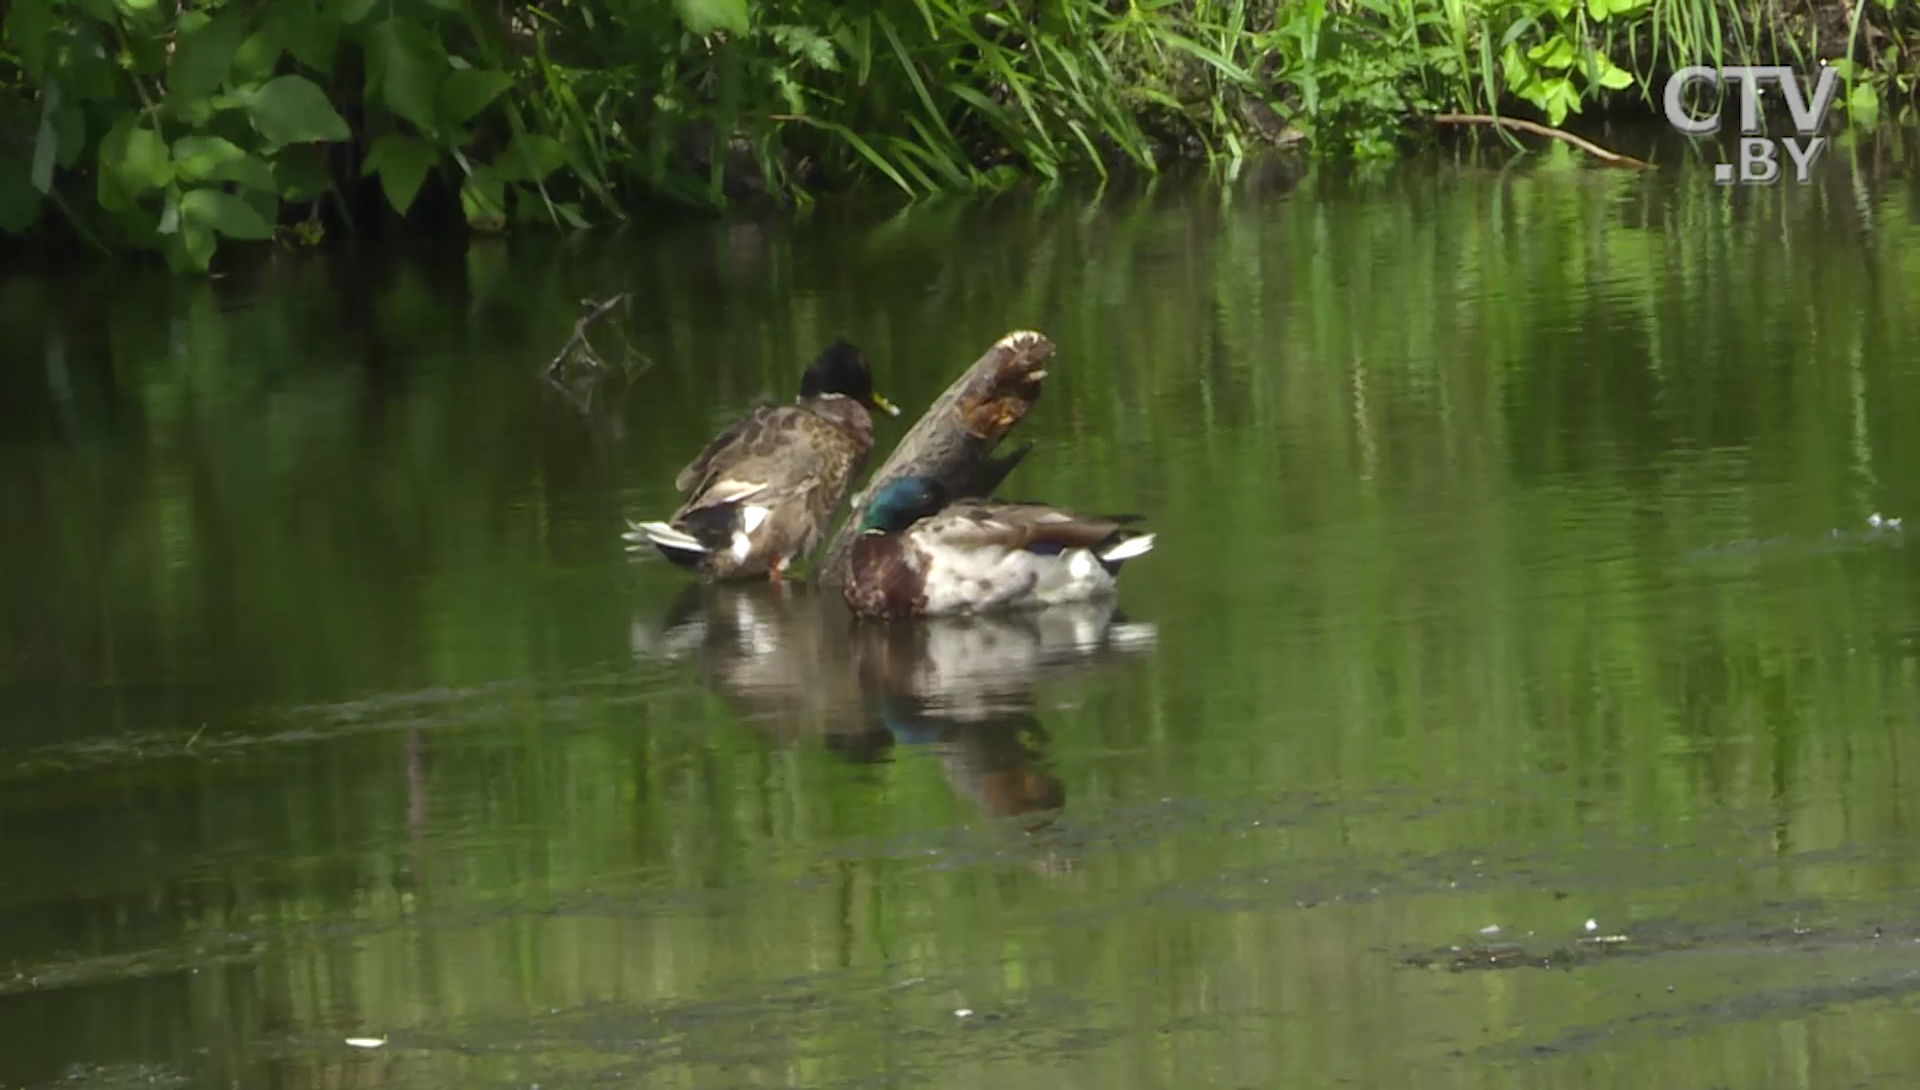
(1518,695)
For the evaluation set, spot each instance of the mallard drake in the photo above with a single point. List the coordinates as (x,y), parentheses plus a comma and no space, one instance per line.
(919,555)
(764,490)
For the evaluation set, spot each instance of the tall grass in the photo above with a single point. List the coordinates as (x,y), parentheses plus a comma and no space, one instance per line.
(175,126)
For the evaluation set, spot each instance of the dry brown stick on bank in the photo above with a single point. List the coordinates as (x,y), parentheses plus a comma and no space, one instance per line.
(1520,125)
(955,439)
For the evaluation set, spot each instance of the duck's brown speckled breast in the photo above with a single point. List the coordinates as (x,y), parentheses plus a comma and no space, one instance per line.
(881,580)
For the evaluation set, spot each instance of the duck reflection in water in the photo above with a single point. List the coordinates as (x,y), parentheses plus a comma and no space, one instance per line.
(798,666)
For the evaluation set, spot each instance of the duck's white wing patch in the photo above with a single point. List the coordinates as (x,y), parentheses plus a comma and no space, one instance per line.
(751,518)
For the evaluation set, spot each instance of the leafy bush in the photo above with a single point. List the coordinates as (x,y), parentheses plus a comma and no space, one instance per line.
(171,127)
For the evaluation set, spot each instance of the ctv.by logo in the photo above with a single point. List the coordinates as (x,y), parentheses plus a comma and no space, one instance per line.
(1759,156)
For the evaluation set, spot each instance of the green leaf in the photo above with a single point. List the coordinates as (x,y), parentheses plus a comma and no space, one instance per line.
(808,44)
(134,158)
(30,24)
(1518,72)
(405,66)
(257,57)
(215,159)
(1610,75)
(1562,9)
(300,172)
(1863,106)
(294,110)
(1556,53)
(1557,97)
(312,35)
(350,11)
(529,157)
(223,212)
(191,246)
(402,163)
(203,56)
(484,199)
(706,16)
(468,91)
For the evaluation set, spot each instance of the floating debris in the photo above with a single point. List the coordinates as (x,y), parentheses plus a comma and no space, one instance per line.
(366,1042)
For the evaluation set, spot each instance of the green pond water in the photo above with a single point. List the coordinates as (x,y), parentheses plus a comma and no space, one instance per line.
(1514,571)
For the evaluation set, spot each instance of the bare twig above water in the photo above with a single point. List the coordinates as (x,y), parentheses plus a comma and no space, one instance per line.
(1534,127)
(580,346)
(578,370)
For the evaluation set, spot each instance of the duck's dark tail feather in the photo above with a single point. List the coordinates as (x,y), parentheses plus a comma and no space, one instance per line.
(681,548)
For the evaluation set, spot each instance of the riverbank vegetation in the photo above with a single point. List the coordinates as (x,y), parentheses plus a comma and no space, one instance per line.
(167,127)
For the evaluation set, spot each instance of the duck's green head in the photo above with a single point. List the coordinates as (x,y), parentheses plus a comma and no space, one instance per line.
(842,369)
(902,502)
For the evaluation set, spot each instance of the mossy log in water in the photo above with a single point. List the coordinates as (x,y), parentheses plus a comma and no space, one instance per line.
(955,439)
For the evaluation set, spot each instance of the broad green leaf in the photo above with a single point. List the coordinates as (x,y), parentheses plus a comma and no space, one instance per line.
(294,110)
(402,163)
(1556,53)
(305,29)
(405,66)
(300,172)
(706,16)
(483,199)
(203,55)
(1515,67)
(190,248)
(529,157)
(257,58)
(1610,75)
(1863,106)
(216,159)
(224,212)
(29,24)
(468,91)
(350,11)
(446,5)
(134,158)
(264,202)
(1562,9)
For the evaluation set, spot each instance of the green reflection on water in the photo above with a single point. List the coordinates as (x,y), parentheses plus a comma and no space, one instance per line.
(1495,586)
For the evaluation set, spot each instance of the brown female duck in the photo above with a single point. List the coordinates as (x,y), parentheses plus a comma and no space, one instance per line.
(765,489)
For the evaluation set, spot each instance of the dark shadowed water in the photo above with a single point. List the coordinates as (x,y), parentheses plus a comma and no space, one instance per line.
(1518,697)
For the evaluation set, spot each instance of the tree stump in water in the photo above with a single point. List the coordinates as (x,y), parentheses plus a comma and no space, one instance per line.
(953,442)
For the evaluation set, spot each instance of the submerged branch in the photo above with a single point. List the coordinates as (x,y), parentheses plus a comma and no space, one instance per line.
(1534,127)
(955,439)
(579,345)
